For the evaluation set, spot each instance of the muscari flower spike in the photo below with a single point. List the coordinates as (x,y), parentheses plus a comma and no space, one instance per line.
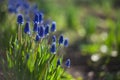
(53,48)
(37,38)
(36,18)
(47,30)
(53,26)
(66,42)
(58,62)
(40,17)
(20,19)
(61,39)
(27,28)
(53,38)
(41,31)
(35,28)
(67,63)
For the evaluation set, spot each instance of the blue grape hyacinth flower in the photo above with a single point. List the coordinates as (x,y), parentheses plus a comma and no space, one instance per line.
(53,48)
(61,39)
(58,62)
(47,30)
(67,63)
(27,28)
(37,38)
(41,31)
(20,19)
(66,42)
(53,26)
(53,38)
(35,28)
(40,17)
(36,18)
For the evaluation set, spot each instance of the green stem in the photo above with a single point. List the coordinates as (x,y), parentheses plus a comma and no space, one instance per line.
(20,33)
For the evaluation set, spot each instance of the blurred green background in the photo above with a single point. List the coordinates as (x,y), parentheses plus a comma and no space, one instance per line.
(93,29)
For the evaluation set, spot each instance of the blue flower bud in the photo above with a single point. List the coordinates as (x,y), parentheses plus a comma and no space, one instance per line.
(61,39)
(35,28)
(47,30)
(41,31)
(58,62)
(53,26)
(53,48)
(40,17)
(67,63)
(66,42)
(54,38)
(20,19)
(27,28)
(37,38)
(36,18)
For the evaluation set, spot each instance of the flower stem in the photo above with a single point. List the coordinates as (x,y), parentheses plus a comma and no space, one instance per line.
(20,33)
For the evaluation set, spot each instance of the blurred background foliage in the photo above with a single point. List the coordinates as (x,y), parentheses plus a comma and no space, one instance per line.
(93,28)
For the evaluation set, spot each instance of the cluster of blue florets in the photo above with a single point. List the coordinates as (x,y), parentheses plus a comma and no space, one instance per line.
(18,6)
(40,28)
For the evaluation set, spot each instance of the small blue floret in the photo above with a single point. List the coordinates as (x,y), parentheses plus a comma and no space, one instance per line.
(66,42)
(36,18)
(61,39)
(20,19)
(37,38)
(41,31)
(67,63)
(53,27)
(58,62)
(40,17)
(27,28)
(47,30)
(53,48)
(35,28)
(54,38)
